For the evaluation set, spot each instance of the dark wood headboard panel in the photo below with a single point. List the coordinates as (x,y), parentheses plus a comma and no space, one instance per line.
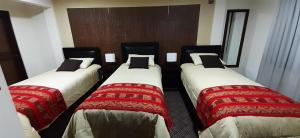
(187,50)
(142,48)
(91,52)
(106,28)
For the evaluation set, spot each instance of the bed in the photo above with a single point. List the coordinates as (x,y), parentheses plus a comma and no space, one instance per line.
(71,85)
(197,81)
(95,122)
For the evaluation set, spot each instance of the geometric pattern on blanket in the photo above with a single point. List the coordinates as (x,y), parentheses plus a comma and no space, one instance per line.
(218,102)
(128,97)
(41,105)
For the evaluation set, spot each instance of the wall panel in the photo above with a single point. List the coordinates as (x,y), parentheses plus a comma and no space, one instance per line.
(106,28)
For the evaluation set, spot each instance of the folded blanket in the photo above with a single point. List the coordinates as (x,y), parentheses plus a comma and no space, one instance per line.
(128,97)
(42,105)
(216,103)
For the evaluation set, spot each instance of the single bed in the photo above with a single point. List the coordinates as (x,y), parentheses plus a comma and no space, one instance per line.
(123,123)
(71,85)
(196,78)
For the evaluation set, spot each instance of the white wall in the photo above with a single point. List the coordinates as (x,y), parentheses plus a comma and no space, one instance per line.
(10,126)
(34,44)
(54,35)
(28,46)
(265,17)
(37,36)
(261,16)
(218,22)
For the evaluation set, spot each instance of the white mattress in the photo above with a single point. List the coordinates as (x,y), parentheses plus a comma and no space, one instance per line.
(150,76)
(195,78)
(72,85)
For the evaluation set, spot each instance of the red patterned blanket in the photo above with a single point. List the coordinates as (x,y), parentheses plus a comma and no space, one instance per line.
(42,105)
(129,97)
(216,103)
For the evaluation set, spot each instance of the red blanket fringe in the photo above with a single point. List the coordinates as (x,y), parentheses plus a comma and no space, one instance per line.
(216,103)
(128,97)
(42,105)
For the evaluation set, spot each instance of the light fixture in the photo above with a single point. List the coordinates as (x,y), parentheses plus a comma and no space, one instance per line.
(171,57)
(110,57)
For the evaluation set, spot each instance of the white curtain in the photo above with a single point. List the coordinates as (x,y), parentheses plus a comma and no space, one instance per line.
(280,66)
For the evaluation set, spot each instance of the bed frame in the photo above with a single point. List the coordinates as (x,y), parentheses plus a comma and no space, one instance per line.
(89,52)
(187,50)
(185,58)
(142,48)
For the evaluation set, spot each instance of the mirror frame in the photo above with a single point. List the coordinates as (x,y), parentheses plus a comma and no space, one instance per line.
(242,37)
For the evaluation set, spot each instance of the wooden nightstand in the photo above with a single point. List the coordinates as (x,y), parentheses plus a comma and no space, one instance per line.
(170,75)
(108,69)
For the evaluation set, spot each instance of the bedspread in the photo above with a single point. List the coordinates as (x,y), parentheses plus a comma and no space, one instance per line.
(41,105)
(128,97)
(218,102)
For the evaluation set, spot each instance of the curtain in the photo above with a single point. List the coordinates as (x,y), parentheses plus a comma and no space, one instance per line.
(280,66)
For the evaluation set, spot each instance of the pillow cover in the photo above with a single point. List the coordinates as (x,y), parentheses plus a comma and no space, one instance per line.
(197,60)
(86,62)
(139,62)
(150,62)
(210,61)
(69,65)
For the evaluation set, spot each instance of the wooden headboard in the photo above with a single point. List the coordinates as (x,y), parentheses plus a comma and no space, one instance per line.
(90,52)
(142,48)
(187,50)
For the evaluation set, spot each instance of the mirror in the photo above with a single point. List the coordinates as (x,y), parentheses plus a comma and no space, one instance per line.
(233,38)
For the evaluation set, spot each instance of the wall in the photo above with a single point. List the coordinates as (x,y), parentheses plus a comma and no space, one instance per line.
(40,3)
(218,24)
(265,17)
(60,9)
(10,126)
(54,35)
(34,30)
(261,16)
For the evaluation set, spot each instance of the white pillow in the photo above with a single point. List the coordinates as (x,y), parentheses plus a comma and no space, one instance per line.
(196,57)
(86,62)
(150,62)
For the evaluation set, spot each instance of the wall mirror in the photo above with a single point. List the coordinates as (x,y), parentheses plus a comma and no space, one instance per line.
(233,38)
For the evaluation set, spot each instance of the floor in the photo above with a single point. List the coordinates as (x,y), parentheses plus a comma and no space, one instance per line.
(182,122)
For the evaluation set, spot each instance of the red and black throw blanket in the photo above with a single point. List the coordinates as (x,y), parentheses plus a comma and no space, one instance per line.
(216,103)
(42,105)
(128,97)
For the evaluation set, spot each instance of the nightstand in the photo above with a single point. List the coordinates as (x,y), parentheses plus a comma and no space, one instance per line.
(170,75)
(108,69)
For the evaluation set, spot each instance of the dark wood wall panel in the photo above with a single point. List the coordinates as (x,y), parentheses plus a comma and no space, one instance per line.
(107,28)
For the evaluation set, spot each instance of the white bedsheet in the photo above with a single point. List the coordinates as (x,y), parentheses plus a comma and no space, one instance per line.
(82,122)
(197,78)
(150,76)
(72,85)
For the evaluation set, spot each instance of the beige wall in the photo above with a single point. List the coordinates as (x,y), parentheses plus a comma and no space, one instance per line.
(60,9)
